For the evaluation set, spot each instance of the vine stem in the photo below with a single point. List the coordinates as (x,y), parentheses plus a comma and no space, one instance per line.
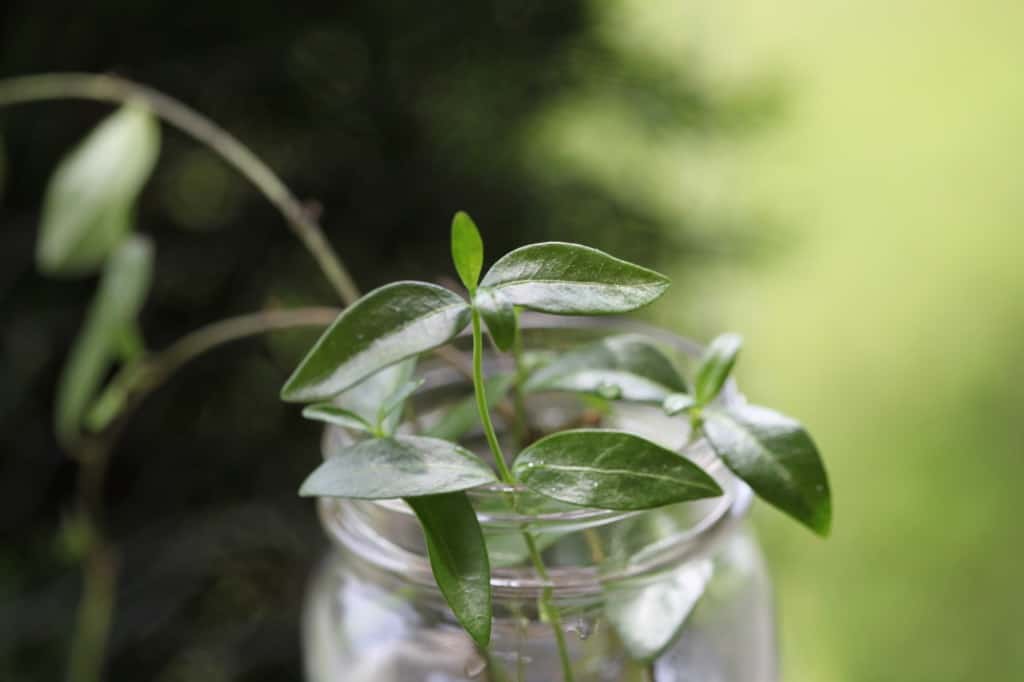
(547,605)
(107,88)
(100,563)
(170,360)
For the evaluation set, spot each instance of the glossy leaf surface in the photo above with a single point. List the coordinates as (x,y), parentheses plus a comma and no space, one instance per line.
(467,250)
(610,470)
(777,458)
(500,316)
(570,279)
(121,294)
(649,615)
(89,201)
(332,414)
(388,324)
(402,466)
(458,557)
(629,362)
(715,366)
(463,416)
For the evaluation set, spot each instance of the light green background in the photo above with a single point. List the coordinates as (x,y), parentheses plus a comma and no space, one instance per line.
(894,326)
(888,312)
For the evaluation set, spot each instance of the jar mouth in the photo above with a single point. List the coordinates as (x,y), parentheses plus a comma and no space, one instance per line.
(354,525)
(387,533)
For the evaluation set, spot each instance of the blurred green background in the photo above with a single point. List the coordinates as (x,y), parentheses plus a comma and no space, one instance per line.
(837,181)
(893,324)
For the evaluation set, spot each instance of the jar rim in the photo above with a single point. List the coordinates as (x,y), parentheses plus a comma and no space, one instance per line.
(341,517)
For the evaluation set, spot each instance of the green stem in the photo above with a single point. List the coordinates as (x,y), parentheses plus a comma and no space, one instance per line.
(696,422)
(492,440)
(95,612)
(550,609)
(165,363)
(481,399)
(99,565)
(106,88)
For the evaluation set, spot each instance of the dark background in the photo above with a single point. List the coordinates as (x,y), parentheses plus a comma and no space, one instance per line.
(389,117)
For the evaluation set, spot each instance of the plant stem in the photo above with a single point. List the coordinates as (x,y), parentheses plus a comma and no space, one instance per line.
(95,612)
(100,563)
(550,609)
(99,589)
(492,440)
(99,568)
(170,360)
(481,399)
(114,89)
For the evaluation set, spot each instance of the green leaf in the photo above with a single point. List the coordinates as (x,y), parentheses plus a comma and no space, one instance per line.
(629,363)
(388,324)
(402,466)
(90,199)
(332,414)
(500,316)
(570,279)
(776,456)
(394,404)
(122,291)
(715,366)
(458,557)
(610,470)
(366,398)
(467,250)
(649,615)
(676,403)
(454,424)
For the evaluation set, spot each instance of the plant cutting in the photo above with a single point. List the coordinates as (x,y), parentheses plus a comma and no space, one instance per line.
(594,467)
(361,377)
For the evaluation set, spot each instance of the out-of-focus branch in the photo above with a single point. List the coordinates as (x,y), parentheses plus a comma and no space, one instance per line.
(115,89)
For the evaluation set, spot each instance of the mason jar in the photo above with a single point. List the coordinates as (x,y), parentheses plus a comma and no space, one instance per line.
(676,594)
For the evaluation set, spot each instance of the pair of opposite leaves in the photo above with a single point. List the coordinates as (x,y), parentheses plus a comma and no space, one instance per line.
(85,227)
(390,324)
(408,318)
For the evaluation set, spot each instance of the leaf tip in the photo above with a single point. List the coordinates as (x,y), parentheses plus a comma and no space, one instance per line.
(293,391)
(820,522)
(481,633)
(306,489)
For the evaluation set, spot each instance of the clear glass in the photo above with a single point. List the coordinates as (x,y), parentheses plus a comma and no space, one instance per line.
(686,584)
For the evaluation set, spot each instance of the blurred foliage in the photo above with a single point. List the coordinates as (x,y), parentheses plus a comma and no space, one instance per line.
(893,324)
(545,120)
(888,318)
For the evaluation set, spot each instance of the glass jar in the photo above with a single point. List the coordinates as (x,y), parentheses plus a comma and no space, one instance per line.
(683,587)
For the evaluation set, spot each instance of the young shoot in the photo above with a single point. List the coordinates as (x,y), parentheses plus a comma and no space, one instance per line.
(590,467)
